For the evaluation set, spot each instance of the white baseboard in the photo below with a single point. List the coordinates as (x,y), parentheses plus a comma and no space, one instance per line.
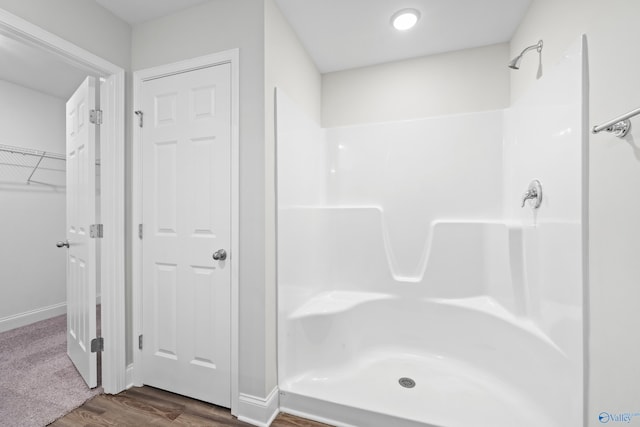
(258,411)
(129,376)
(32,316)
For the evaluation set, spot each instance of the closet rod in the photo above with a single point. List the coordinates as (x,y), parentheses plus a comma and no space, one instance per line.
(30,152)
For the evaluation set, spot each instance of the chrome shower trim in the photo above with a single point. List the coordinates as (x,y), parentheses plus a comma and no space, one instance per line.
(534,193)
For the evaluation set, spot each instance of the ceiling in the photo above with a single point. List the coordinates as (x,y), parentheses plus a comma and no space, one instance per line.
(343,34)
(137,11)
(338,34)
(30,67)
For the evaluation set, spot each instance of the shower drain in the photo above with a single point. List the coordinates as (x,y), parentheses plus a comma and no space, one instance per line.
(407,382)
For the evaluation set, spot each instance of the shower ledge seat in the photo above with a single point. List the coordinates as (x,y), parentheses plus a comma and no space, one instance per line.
(333,302)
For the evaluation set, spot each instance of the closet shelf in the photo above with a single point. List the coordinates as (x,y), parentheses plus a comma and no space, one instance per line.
(29,152)
(27,158)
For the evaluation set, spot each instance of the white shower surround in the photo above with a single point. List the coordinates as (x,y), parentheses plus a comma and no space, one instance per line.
(403,252)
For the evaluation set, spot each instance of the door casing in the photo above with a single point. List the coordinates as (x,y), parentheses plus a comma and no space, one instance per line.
(112,151)
(230,57)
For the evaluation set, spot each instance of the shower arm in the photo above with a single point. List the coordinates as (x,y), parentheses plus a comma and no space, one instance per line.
(537,46)
(515,62)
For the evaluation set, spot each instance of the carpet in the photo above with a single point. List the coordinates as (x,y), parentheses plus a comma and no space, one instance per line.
(38,382)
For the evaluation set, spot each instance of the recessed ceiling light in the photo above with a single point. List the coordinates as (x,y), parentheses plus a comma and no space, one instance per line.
(405,19)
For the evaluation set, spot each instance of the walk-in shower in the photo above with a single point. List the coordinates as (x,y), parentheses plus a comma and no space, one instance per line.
(413,287)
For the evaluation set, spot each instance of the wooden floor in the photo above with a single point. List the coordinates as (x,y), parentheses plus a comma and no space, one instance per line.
(147,406)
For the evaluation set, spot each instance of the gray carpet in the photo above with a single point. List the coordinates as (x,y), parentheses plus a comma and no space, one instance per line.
(38,382)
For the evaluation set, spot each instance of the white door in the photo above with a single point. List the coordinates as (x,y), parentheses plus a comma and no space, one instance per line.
(81,213)
(186,139)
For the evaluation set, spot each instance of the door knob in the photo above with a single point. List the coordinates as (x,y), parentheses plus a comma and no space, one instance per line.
(220,255)
(62,244)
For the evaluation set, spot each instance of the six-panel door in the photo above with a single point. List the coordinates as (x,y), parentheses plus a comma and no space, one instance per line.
(81,213)
(186,216)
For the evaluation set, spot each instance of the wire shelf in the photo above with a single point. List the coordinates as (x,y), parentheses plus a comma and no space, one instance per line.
(19,164)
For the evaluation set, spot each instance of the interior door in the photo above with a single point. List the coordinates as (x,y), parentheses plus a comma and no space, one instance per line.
(186,140)
(81,213)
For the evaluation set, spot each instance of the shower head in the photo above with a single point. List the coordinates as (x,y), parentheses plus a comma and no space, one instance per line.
(515,62)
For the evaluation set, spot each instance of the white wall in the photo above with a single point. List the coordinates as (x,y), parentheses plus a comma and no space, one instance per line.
(302,156)
(409,170)
(32,217)
(288,66)
(465,81)
(418,171)
(614,171)
(81,22)
(546,139)
(204,29)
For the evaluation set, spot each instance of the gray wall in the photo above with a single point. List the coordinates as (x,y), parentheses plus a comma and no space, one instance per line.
(464,81)
(208,28)
(33,216)
(204,29)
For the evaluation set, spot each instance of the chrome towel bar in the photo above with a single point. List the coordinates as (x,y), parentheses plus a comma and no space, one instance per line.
(619,126)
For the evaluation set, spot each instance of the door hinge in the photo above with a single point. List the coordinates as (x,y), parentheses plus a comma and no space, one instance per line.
(96,231)
(97,345)
(140,231)
(95,117)
(140,115)
(140,342)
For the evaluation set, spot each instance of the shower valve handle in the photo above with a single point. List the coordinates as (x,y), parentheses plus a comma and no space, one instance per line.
(534,192)
(531,194)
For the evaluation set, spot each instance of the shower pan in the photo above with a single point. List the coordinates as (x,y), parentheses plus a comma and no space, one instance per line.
(414,289)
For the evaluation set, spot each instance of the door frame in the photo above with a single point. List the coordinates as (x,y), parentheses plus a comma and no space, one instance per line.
(112,182)
(139,77)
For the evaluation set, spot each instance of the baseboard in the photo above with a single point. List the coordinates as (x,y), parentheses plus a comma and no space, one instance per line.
(129,376)
(258,411)
(32,316)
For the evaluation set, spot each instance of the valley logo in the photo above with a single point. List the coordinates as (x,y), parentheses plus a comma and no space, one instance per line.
(621,417)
